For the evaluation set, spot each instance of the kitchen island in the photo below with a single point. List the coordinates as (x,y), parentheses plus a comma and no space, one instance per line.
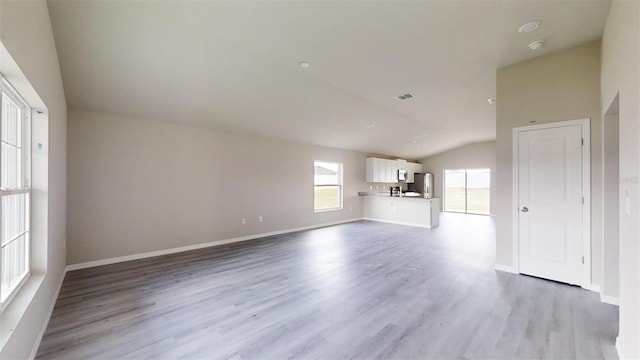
(412,211)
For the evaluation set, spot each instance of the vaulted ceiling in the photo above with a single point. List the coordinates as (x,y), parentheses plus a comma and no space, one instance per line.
(235,65)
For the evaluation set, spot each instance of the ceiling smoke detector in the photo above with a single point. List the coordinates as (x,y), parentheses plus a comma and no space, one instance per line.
(405,96)
(536,45)
(492,101)
(530,26)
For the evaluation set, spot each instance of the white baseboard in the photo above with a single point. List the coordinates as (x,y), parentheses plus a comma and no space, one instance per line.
(611,300)
(619,349)
(36,345)
(503,268)
(145,255)
(398,223)
(607,299)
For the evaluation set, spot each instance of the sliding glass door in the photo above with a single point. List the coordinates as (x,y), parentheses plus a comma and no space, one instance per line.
(467,191)
(455,194)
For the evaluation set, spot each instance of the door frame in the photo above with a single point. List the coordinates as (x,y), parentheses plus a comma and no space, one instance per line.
(586,193)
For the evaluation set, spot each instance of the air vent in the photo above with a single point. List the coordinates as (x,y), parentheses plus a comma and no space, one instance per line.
(405,96)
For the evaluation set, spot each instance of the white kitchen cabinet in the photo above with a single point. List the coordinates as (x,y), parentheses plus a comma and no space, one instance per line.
(381,170)
(376,170)
(392,171)
(370,169)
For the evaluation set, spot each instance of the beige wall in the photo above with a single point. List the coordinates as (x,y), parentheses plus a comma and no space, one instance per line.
(621,75)
(473,156)
(556,87)
(611,211)
(25,31)
(137,185)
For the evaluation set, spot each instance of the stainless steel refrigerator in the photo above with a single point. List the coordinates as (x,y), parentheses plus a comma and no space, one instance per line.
(422,183)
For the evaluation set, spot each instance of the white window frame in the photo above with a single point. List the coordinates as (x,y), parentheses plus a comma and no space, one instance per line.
(339,185)
(466,191)
(23,188)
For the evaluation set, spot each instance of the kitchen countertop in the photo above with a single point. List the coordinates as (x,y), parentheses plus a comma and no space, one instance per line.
(406,210)
(387,194)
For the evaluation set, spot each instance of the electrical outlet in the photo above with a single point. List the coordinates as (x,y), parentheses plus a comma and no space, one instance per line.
(260,218)
(244,220)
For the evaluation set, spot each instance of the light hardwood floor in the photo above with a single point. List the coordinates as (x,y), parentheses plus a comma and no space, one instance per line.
(360,290)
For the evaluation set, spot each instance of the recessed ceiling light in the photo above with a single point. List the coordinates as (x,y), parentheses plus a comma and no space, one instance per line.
(369,126)
(492,101)
(530,26)
(536,45)
(304,64)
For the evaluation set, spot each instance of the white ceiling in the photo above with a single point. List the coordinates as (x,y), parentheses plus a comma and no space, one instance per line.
(234,65)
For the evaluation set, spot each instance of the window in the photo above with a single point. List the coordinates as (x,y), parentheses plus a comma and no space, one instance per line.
(467,191)
(327,182)
(15,193)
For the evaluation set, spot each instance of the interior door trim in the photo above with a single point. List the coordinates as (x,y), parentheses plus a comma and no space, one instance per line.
(586,193)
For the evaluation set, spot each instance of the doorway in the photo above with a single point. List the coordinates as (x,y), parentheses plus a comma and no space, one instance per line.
(552,201)
(467,191)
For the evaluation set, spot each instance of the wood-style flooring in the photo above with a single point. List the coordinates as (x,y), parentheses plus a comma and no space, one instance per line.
(361,290)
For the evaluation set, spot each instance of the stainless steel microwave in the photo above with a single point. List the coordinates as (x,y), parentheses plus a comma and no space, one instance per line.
(402,175)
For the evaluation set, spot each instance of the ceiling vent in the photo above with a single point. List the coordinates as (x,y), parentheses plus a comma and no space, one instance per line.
(405,96)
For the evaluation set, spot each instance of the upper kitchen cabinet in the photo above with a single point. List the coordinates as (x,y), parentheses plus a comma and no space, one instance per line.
(373,166)
(386,171)
(381,170)
(392,171)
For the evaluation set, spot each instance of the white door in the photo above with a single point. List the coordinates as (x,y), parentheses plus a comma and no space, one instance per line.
(550,203)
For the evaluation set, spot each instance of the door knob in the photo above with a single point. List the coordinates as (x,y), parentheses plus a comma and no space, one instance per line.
(524,209)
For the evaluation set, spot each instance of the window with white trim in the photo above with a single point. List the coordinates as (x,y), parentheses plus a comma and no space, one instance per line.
(327,182)
(15,192)
(467,191)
